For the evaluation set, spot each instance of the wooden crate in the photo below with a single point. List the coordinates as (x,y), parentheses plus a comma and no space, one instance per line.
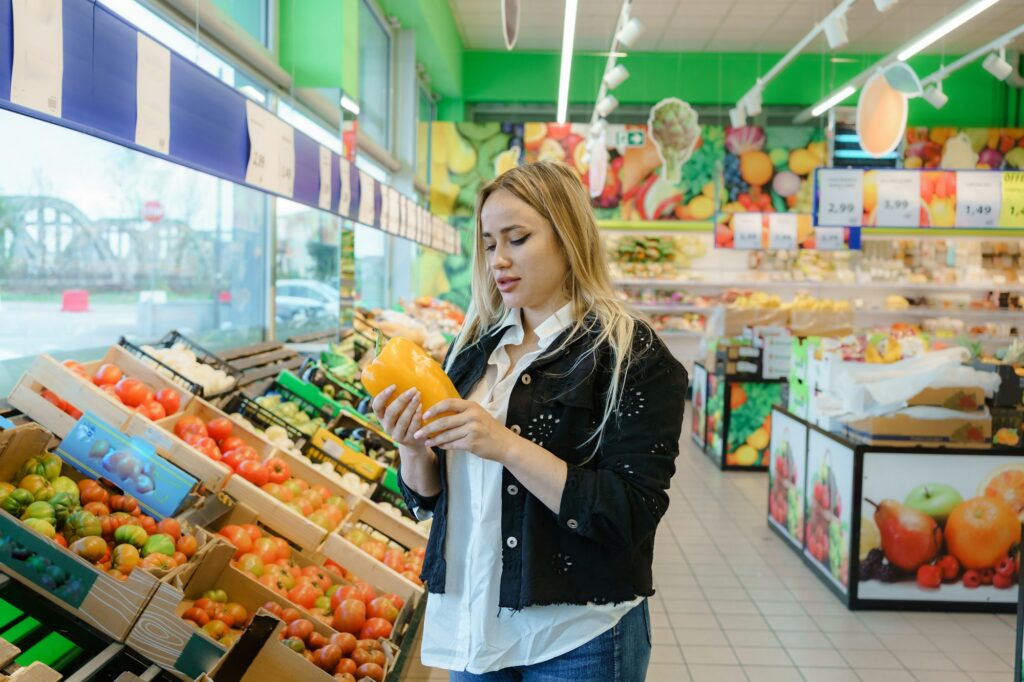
(37,671)
(261,363)
(381,525)
(46,372)
(108,604)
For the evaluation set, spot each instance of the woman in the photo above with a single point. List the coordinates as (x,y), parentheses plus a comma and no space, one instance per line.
(548,481)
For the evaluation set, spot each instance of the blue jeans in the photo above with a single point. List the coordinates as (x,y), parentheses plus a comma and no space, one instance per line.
(620,654)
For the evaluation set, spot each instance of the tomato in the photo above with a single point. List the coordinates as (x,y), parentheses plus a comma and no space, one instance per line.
(208,447)
(273,582)
(216,628)
(295,644)
(279,471)
(289,614)
(346,641)
(300,627)
(350,616)
(273,607)
(237,613)
(369,644)
(284,550)
(107,374)
(254,472)
(381,607)
(154,410)
(375,628)
(346,665)
(327,658)
(319,576)
(243,454)
(265,549)
(395,560)
(364,592)
(132,392)
(188,422)
(219,428)
(375,671)
(303,595)
(251,564)
(75,367)
(111,391)
(316,640)
(170,400)
(232,443)
(239,538)
(197,616)
(395,599)
(54,399)
(362,656)
(187,545)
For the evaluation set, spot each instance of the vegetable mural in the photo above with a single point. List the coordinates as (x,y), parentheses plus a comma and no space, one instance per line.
(952,148)
(772,168)
(750,425)
(674,130)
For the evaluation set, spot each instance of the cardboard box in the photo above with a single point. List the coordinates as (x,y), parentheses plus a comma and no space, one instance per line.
(972,430)
(820,323)
(36,671)
(962,399)
(736,320)
(327,447)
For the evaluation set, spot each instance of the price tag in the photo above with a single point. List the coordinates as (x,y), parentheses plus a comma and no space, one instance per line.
(747,231)
(1012,214)
(841,197)
(153,95)
(325,178)
(37,67)
(271,151)
(367,211)
(385,209)
(396,211)
(979,197)
(782,231)
(345,173)
(830,238)
(899,199)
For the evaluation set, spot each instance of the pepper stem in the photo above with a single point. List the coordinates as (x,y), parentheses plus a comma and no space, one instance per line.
(380,342)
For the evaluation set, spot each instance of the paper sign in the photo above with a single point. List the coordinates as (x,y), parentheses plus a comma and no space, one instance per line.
(37,70)
(747,230)
(899,199)
(978,198)
(1012,213)
(841,197)
(271,151)
(366,199)
(396,211)
(285,158)
(782,231)
(345,202)
(97,449)
(385,207)
(153,95)
(324,201)
(829,238)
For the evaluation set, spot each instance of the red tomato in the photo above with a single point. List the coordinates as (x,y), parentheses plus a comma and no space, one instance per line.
(232,443)
(350,616)
(327,657)
(363,655)
(274,608)
(346,665)
(290,614)
(239,538)
(253,530)
(107,374)
(245,453)
(279,471)
(197,616)
(318,576)
(395,599)
(154,409)
(375,671)
(132,392)
(170,527)
(346,641)
(76,367)
(345,676)
(111,391)
(170,399)
(381,607)
(300,627)
(303,595)
(186,422)
(254,472)
(375,628)
(365,593)
(208,447)
(54,399)
(284,550)
(219,428)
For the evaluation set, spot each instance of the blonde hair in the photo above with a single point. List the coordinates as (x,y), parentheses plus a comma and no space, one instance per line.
(555,192)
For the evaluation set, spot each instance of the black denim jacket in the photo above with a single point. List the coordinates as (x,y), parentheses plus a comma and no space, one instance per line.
(600,546)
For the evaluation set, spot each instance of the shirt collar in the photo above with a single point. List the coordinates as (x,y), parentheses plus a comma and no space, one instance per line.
(547,331)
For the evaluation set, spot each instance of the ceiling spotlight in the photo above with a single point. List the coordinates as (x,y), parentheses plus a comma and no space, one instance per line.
(997,65)
(607,105)
(349,104)
(630,32)
(835,31)
(752,102)
(616,76)
(934,95)
(737,119)
(885,5)
(597,129)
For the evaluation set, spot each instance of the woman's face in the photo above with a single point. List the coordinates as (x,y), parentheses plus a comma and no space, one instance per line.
(523,254)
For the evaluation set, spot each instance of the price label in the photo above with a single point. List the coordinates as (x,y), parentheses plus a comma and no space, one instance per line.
(841,197)
(830,238)
(271,151)
(899,199)
(782,231)
(396,211)
(324,201)
(345,202)
(385,209)
(1012,214)
(978,198)
(747,231)
(153,95)
(37,67)
(367,199)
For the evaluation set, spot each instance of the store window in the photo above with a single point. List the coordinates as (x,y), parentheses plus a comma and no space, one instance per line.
(425,119)
(253,16)
(374,75)
(371,251)
(99,241)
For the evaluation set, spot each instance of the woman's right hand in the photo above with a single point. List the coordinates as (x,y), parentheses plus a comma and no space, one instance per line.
(401,418)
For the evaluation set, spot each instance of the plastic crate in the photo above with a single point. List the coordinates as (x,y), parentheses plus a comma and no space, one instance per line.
(263,418)
(327,384)
(202,355)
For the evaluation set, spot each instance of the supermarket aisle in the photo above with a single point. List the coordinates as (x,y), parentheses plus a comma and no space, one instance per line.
(733,603)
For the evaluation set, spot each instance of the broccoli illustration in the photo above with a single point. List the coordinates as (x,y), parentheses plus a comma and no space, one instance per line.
(673,127)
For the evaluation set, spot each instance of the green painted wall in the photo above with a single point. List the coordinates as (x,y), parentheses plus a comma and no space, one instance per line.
(438,43)
(318,43)
(975,98)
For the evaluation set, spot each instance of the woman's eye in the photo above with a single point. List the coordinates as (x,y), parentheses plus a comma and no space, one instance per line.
(489,248)
(521,240)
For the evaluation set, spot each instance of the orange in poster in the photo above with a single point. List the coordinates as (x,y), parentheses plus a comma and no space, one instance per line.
(756,168)
(938,199)
(1006,483)
(981,531)
(881,116)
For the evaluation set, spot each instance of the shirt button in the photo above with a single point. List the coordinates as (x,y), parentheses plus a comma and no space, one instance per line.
(512,543)
(515,429)
(512,490)
(526,379)
(573,524)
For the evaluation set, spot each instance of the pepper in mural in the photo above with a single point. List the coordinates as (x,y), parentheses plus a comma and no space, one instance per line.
(750,422)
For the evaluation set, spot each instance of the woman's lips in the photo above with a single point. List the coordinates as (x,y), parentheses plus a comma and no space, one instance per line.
(507,284)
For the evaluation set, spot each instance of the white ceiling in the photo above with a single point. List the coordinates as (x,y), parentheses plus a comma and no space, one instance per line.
(730,25)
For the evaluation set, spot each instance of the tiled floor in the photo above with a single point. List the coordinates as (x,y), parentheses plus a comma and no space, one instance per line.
(733,603)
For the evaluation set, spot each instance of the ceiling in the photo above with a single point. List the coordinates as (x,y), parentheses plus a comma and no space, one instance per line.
(730,25)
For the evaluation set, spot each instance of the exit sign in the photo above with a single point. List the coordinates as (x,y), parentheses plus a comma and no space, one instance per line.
(631,138)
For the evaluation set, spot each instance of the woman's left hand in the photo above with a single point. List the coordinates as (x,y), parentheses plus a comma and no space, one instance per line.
(469,427)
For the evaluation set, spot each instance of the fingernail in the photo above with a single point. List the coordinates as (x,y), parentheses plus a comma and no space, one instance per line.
(418,434)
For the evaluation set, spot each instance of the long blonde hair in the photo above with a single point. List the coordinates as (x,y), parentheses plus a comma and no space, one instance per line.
(554,191)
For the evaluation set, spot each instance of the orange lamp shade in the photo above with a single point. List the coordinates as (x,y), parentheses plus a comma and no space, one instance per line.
(881,116)
(405,365)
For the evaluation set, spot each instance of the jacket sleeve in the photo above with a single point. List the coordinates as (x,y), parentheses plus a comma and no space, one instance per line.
(422,507)
(618,498)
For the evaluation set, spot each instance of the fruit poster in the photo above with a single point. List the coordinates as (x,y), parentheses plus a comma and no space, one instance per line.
(716,416)
(698,409)
(940,527)
(750,422)
(786,475)
(771,169)
(964,148)
(828,499)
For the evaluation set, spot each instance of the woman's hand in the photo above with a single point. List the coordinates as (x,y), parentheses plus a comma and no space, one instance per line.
(402,418)
(469,427)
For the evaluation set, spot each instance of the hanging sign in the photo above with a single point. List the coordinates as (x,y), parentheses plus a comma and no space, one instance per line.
(782,229)
(153,95)
(271,151)
(747,231)
(37,68)
(345,201)
(899,199)
(1012,214)
(324,200)
(840,197)
(979,198)
(366,199)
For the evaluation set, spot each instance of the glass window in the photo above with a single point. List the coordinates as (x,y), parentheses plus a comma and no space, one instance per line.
(291,115)
(374,75)
(250,15)
(423,130)
(306,269)
(99,241)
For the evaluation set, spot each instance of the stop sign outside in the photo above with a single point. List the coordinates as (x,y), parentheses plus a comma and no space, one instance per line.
(152,211)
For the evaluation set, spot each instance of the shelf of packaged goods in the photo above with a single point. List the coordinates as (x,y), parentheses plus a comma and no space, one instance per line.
(894,287)
(670,308)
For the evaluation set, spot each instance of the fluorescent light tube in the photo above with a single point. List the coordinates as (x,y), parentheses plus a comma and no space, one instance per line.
(833,100)
(952,22)
(568,35)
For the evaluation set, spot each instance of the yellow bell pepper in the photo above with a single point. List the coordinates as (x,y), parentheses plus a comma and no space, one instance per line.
(405,365)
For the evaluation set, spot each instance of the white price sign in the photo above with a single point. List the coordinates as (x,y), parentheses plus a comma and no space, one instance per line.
(345,201)
(840,197)
(324,201)
(37,66)
(830,238)
(979,198)
(271,151)
(153,95)
(367,209)
(782,231)
(747,231)
(899,199)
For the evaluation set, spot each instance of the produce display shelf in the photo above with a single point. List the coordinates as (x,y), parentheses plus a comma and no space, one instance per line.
(202,355)
(963,314)
(768,284)
(669,309)
(261,363)
(680,334)
(831,521)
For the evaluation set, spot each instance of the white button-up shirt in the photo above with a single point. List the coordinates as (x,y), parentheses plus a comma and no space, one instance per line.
(464,627)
